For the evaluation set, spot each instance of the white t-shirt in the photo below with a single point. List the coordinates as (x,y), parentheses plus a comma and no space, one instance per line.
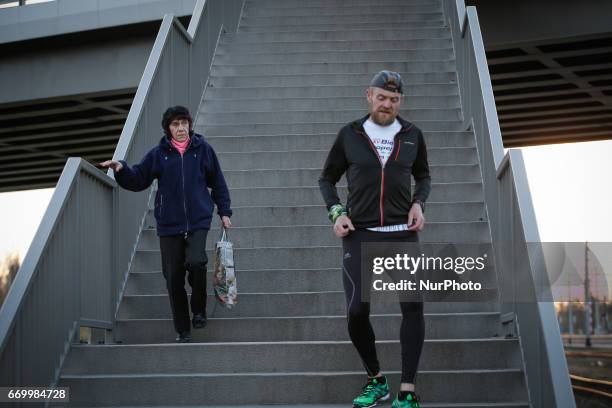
(383,138)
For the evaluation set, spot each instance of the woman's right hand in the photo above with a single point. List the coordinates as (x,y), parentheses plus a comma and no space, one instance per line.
(113,164)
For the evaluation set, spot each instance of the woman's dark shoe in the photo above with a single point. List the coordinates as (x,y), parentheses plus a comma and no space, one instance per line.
(183,337)
(199,321)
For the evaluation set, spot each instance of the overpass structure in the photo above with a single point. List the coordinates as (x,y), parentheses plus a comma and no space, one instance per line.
(271,82)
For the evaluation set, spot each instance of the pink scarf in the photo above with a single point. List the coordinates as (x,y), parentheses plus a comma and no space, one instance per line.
(180,146)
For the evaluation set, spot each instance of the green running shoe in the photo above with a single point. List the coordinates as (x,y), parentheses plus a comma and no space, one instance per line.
(372,392)
(411,401)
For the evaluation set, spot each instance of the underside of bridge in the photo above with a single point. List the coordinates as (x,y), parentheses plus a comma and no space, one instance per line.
(36,139)
(553,92)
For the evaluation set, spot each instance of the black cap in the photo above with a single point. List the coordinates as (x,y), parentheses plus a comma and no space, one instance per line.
(176,112)
(388,80)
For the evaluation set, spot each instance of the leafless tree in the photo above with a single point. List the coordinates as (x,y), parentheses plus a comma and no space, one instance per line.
(8,270)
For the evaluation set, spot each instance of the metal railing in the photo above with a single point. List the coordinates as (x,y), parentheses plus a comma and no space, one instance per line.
(15,3)
(76,268)
(522,276)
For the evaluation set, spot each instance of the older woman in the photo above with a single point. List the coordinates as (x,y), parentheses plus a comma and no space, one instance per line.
(185,166)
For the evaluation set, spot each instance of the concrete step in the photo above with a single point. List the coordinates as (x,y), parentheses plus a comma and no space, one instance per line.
(246,27)
(346,17)
(357,67)
(256,10)
(262,129)
(259,281)
(339,46)
(424,405)
(277,160)
(421,46)
(322,235)
(329,303)
(433,19)
(321,328)
(466,386)
(411,79)
(335,35)
(419,92)
(322,141)
(274,357)
(294,196)
(296,103)
(264,257)
(347,56)
(260,258)
(452,173)
(305,116)
(316,214)
(289,4)
(253,281)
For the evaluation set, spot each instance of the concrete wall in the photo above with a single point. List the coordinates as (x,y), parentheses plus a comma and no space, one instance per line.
(87,68)
(70,16)
(82,68)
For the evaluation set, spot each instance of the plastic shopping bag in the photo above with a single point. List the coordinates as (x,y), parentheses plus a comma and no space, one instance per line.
(224,276)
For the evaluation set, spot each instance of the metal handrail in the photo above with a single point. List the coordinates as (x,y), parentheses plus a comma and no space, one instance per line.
(24,277)
(524,286)
(19,2)
(76,268)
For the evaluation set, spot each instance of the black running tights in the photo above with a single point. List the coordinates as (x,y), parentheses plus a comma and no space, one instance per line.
(412,331)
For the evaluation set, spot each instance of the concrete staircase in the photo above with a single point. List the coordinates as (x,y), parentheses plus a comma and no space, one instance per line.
(280,89)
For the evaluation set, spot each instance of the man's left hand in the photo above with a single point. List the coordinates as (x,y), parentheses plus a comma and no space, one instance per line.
(225,220)
(416,215)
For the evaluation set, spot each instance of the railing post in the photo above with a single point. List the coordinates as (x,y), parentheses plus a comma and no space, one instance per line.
(79,277)
(113,272)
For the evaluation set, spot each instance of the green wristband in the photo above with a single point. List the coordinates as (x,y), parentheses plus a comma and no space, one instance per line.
(336,211)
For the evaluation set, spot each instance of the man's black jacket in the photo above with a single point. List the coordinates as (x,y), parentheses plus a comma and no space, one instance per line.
(377,196)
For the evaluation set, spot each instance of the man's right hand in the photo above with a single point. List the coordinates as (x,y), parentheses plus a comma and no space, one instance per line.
(343,226)
(115,165)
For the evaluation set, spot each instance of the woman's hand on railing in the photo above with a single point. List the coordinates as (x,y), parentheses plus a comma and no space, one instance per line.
(113,164)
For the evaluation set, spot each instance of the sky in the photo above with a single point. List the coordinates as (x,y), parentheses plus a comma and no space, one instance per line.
(20,215)
(571,188)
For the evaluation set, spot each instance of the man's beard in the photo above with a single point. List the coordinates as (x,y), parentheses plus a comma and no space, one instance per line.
(378,118)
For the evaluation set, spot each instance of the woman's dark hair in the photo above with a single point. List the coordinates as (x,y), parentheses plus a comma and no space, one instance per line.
(176,112)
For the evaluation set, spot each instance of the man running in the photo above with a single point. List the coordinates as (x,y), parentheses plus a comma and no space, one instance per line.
(378,153)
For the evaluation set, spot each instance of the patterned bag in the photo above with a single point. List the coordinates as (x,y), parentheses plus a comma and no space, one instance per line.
(224,276)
